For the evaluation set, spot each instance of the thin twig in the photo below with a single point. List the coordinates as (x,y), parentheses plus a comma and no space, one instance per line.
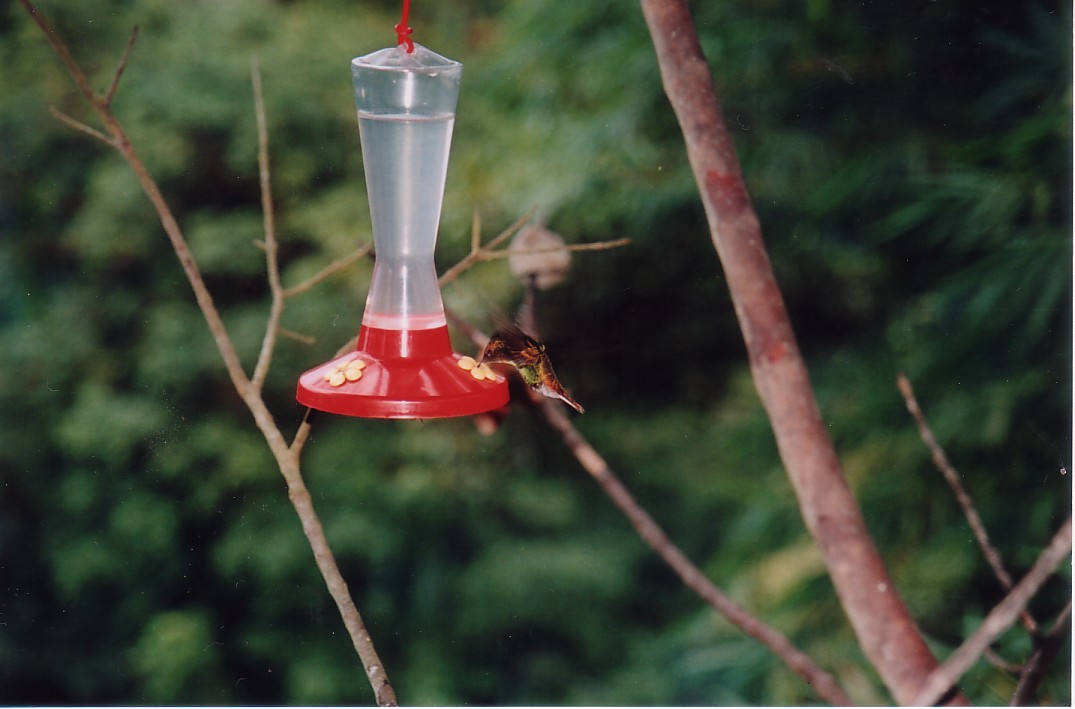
(287,461)
(882,623)
(476,249)
(80,126)
(990,655)
(330,572)
(593,463)
(298,336)
(112,87)
(326,272)
(997,621)
(475,230)
(948,471)
(1043,656)
(121,143)
(271,246)
(489,254)
(527,313)
(588,246)
(799,662)
(62,52)
(471,332)
(348,346)
(302,434)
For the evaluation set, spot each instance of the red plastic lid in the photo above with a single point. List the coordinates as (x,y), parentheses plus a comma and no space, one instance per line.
(400,374)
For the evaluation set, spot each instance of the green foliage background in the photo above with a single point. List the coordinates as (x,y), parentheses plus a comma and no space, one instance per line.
(911,164)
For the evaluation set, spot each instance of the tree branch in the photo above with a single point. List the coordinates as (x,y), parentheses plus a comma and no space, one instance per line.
(268,212)
(992,556)
(383,692)
(328,271)
(990,656)
(302,434)
(998,620)
(1041,658)
(298,336)
(82,127)
(111,93)
(63,53)
(286,459)
(799,662)
(489,252)
(593,463)
(119,140)
(477,251)
(881,621)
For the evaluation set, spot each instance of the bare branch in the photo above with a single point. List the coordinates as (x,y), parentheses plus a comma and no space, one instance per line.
(940,459)
(329,270)
(472,333)
(302,434)
(475,231)
(489,252)
(348,346)
(63,53)
(1043,656)
(990,655)
(593,463)
(881,621)
(799,662)
(997,621)
(111,93)
(82,127)
(330,572)
(298,336)
(286,459)
(476,250)
(271,247)
(588,246)
(119,140)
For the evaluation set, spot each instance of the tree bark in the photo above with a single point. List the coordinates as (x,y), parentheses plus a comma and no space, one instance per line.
(881,621)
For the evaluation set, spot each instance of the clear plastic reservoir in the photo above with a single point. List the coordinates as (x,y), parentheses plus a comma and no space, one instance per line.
(406,111)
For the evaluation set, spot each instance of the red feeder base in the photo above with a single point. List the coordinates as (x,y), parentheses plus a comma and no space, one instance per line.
(405,374)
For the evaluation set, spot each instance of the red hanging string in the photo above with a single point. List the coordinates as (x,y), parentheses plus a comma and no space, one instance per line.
(403,30)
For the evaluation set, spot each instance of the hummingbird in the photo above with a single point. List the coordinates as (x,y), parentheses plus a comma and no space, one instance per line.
(510,345)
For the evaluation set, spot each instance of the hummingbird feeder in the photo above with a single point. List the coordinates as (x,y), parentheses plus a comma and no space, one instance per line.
(404,366)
